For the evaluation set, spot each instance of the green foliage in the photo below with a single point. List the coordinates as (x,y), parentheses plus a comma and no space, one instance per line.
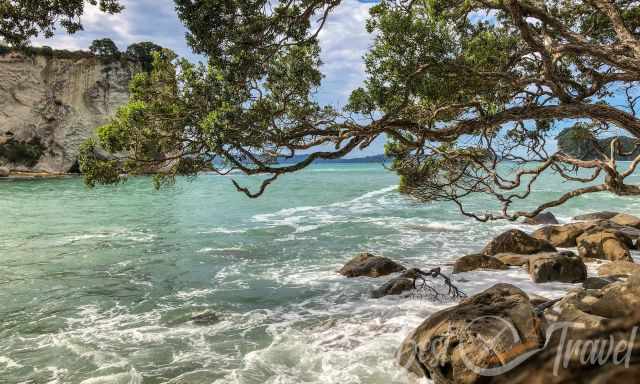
(22,152)
(143,53)
(96,169)
(23,20)
(104,48)
(459,86)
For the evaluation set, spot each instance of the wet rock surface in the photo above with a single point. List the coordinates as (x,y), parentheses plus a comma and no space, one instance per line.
(516,241)
(477,261)
(370,265)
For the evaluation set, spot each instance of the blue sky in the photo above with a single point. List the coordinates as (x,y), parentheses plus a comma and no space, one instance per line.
(343,40)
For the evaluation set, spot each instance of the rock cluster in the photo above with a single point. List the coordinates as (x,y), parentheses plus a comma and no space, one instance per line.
(503,335)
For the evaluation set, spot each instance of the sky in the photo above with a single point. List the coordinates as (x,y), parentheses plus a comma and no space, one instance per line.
(343,41)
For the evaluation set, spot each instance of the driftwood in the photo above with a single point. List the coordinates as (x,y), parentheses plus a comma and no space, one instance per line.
(423,281)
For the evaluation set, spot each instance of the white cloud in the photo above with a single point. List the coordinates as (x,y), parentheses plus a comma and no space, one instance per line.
(344,40)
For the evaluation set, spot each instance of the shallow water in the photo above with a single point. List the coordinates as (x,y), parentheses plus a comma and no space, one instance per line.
(98,286)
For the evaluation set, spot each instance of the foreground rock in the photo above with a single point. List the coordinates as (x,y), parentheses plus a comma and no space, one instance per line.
(562,235)
(541,368)
(516,241)
(543,218)
(478,261)
(367,264)
(593,307)
(618,268)
(565,267)
(605,244)
(604,215)
(4,172)
(444,346)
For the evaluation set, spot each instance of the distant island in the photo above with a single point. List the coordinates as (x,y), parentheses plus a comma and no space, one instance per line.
(366,159)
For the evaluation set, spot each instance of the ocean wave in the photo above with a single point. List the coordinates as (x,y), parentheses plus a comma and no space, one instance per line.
(116,234)
(223,230)
(222,249)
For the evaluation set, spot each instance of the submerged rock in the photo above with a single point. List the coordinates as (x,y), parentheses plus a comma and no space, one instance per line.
(605,244)
(205,318)
(477,261)
(516,241)
(542,218)
(395,286)
(564,267)
(619,268)
(367,264)
(447,345)
(604,215)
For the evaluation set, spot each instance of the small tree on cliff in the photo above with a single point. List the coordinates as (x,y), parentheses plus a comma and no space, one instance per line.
(469,92)
(104,48)
(21,20)
(143,53)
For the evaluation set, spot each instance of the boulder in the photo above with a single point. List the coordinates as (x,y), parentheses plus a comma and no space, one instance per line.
(605,244)
(4,172)
(626,220)
(598,282)
(562,235)
(604,215)
(367,264)
(477,261)
(394,286)
(548,367)
(513,259)
(542,218)
(516,241)
(564,267)
(448,345)
(619,268)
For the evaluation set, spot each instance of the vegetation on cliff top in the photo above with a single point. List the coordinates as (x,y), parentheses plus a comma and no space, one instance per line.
(103,49)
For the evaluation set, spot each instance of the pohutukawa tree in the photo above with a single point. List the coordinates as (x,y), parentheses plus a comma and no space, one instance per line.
(21,20)
(468,93)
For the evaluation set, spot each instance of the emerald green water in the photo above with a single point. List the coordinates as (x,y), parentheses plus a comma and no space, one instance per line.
(99,286)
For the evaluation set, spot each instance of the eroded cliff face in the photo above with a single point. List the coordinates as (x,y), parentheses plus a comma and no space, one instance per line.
(50,105)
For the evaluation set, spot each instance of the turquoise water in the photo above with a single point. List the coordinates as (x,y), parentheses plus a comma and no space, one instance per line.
(98,286)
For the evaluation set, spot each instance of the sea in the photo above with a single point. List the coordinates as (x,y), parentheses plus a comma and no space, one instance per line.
(101,285)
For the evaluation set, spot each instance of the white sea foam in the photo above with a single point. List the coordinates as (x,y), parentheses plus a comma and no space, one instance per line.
(223,230)
(115,234)
(9,363)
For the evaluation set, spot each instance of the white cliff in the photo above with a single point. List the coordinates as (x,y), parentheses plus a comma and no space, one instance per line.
(50,104)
